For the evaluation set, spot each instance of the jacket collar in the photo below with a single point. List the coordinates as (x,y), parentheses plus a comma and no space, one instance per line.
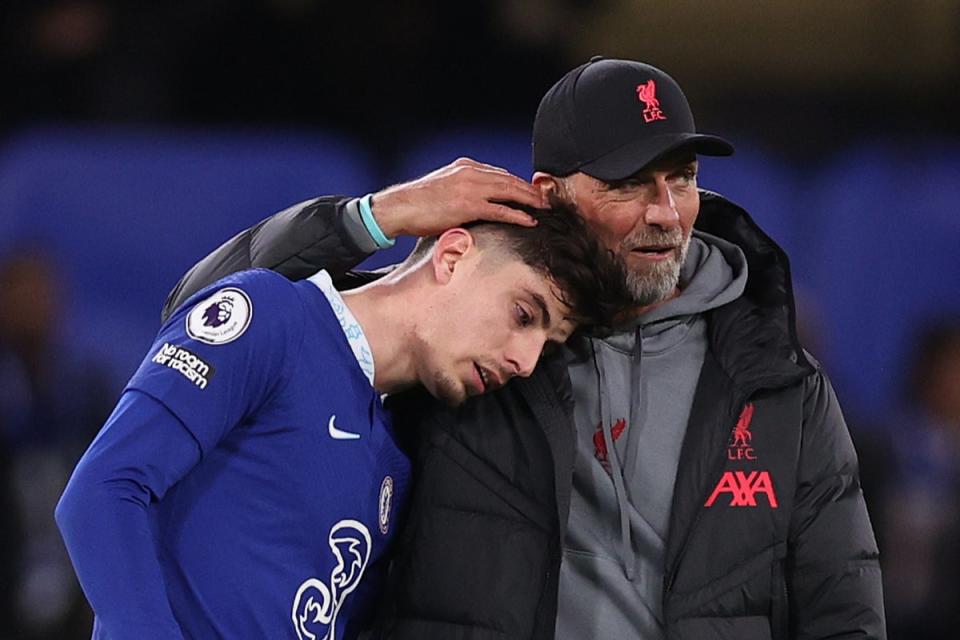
(754,338)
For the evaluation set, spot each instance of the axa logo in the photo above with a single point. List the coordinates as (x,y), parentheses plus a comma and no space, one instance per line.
(740,448)
(744,488)
(647,94)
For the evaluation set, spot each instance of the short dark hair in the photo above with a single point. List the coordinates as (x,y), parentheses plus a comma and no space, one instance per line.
(590,279)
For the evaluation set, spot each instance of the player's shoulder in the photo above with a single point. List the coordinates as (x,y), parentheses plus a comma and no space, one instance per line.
(223,311)
(247,286)
(257,282)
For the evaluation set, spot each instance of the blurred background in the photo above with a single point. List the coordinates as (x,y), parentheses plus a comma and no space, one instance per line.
(136,137)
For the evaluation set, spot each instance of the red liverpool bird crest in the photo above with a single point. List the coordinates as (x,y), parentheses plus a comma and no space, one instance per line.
(647,94)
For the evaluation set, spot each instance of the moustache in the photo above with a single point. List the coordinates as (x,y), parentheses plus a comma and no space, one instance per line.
(651,238)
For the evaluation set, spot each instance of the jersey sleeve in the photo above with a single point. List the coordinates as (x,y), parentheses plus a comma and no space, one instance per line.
(140,453)
(222,354)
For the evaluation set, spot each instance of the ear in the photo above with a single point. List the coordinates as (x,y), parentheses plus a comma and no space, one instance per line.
(451,248)
(546,183)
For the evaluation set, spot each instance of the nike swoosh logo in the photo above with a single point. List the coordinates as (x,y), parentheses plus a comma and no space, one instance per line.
(337,434)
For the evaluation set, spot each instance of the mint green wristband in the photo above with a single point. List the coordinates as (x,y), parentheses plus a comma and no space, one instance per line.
(366,214)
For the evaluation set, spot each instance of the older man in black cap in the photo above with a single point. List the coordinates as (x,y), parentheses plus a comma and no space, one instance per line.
(688,476)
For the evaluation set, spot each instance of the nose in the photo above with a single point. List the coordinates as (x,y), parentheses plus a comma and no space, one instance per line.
(524,354)
(662,209)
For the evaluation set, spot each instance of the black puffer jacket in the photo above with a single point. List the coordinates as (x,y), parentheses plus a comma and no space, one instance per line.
(769,534)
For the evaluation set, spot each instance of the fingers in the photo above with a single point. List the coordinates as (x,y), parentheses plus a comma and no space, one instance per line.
(513,189)
(464,161)
(460,192)
(470,162)
(495,184)
(503,213)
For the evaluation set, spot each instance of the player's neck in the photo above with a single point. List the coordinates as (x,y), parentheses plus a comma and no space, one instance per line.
(387,322)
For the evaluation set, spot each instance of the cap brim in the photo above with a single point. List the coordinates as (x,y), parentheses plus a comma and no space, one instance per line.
(634,156)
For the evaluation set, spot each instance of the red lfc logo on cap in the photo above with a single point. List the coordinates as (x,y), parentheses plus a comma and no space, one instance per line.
(647,94)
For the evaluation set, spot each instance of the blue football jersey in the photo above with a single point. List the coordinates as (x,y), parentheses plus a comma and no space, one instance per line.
(280,530)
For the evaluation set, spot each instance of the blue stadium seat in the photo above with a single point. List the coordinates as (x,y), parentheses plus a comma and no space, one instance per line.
(129,210)
(885,256)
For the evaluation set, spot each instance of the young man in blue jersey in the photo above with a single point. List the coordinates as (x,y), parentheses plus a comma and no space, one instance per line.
(248,481)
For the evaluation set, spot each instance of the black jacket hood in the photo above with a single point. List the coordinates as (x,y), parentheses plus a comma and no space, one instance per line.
(755,337)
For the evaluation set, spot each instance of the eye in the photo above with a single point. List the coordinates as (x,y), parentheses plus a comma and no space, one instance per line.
(524,317)
(627,184)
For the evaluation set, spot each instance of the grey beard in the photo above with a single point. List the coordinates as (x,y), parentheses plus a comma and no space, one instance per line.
(657,283)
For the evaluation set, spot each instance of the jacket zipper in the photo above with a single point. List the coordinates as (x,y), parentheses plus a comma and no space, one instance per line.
(785,608)
(715,470)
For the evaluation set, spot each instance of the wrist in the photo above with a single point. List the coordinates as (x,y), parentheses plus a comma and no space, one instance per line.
(383,239)
(384,205)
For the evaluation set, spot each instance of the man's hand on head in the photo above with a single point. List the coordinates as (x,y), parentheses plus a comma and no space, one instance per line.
(462,191)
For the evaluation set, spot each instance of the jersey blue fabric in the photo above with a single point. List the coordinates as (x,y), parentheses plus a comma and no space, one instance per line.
(247,483)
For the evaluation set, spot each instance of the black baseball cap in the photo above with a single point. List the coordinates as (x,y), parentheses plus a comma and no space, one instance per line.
(610,118)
